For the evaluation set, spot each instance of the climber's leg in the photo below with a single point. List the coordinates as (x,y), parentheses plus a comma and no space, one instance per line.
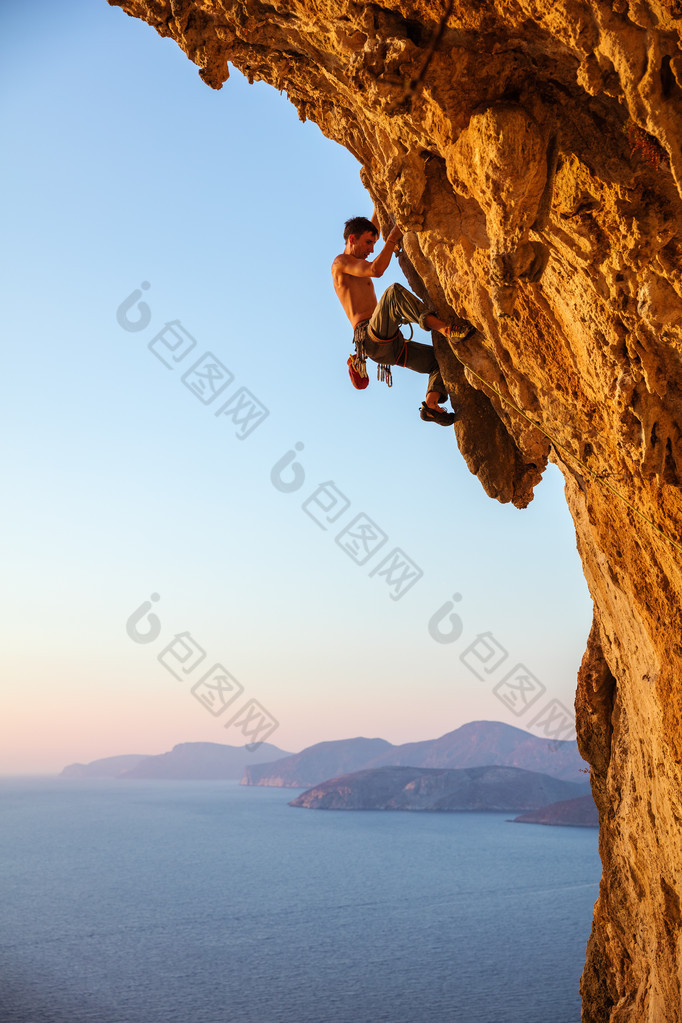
(422,359)
(398,306)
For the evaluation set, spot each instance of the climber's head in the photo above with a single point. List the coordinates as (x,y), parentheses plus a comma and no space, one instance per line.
(357,226)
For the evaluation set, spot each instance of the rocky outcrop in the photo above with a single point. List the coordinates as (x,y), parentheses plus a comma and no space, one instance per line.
(580,812)
(532,154)
(473,789)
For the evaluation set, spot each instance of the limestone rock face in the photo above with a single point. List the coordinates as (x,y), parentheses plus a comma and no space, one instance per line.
(532,153)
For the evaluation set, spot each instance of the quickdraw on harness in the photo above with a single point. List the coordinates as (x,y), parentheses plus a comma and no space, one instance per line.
(384,375)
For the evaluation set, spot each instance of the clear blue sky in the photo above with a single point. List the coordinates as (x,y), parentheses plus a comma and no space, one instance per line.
(122,167)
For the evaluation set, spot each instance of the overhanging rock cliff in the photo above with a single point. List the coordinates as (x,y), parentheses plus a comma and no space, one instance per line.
(532,153)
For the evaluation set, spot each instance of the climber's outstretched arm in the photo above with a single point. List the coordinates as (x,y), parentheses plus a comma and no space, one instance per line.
(358,267)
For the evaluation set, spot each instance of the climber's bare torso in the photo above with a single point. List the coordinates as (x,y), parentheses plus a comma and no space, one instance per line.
(356,294)
(352,274)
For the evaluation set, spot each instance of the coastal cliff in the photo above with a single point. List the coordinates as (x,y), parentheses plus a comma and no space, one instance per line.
(532,154)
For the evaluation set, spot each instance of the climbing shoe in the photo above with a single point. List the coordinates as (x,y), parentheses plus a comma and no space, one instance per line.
(459,330)
(436,415)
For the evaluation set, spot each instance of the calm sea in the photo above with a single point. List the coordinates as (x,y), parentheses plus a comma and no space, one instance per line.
(209,902)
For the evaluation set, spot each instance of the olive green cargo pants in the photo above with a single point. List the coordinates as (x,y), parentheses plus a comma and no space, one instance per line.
(396,307)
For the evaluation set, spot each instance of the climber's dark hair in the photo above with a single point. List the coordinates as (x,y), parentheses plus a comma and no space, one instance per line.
(358,225)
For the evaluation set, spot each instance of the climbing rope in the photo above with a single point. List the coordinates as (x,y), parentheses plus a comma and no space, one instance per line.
(597,476)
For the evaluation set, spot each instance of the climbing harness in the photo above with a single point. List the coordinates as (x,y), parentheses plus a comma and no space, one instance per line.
(597,476)
(357,368)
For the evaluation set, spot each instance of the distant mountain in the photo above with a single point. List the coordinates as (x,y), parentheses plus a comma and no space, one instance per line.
(315,763)
(202,761)
(188,761)
(492,742)
(107,767)
(570,813)
(476,744)
(461,789)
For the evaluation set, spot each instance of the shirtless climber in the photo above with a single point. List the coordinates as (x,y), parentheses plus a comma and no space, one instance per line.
(376,324)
